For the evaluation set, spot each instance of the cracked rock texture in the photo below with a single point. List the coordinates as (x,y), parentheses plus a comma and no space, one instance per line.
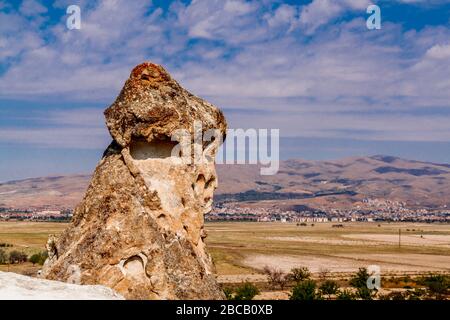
(140,227)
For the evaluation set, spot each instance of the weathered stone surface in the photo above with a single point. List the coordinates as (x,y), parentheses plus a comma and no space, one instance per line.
(18,287)
(139,228)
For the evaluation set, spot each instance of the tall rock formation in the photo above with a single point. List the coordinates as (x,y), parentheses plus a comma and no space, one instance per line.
(140,228)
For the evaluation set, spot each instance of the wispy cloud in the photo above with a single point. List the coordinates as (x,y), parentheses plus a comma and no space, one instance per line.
(80,128)
(302,64)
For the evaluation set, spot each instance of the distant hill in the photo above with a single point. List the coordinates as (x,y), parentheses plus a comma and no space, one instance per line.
(337,183)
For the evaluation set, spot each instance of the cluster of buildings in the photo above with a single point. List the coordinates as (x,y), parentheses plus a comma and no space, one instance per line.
(369,211)
(35,214)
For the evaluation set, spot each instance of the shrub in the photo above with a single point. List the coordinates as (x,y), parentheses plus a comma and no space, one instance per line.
(323,273)
(299,274)
(17,257)
(345,295)
(329,287)
(415,294)
(394,296)
(305,290)
(39,258)
(246,292)
(365,293)
(437,284)
(359,281)
(275,277)
(3,257)
(228,293)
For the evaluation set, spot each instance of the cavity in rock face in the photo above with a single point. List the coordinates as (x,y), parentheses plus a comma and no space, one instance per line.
(139,229)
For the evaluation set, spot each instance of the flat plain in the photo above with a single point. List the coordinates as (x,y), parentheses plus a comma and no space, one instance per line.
(242,249)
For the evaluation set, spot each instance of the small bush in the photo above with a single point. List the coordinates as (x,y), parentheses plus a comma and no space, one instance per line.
(3,257)
(275,277)
(393,296)
(415,294)
(39,258)
(305,290)
(359,281)
(438,285)
(246,292)
(228,293)
(345,295)
(323,274)
(299,274)
(329,287)
(17,257)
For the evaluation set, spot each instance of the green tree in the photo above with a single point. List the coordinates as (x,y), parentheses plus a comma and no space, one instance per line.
(3,256)
(305,290)
(328,288)
(246,292)
(34,258)
(359,281)
(228,293)
(17,257)
(43,256)
(299,274)
(345,295)
(360,278)
(438,285)
(39,258)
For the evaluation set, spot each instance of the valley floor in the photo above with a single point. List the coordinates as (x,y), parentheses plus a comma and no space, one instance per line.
(242,249)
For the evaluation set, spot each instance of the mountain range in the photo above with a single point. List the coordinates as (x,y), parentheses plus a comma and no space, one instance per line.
(299,183)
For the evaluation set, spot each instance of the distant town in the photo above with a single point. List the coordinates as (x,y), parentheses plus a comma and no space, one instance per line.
(371,210)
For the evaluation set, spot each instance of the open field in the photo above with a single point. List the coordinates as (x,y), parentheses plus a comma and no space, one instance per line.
(241,249)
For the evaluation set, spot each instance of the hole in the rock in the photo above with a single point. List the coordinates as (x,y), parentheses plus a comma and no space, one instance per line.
(199,185)
(201,178)
(161,216)
(157,149)
(183,201)
(134,266)
(145,77)
(209,183)
(185,228)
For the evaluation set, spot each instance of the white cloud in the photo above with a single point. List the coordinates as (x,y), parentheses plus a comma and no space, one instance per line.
(31,8)
(321,12)
(439,51)
(64,128)
(246,54)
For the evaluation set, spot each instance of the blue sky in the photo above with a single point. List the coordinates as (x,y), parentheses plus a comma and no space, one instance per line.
(310,68)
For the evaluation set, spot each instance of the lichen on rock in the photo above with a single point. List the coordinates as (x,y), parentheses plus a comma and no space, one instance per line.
(140,227)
